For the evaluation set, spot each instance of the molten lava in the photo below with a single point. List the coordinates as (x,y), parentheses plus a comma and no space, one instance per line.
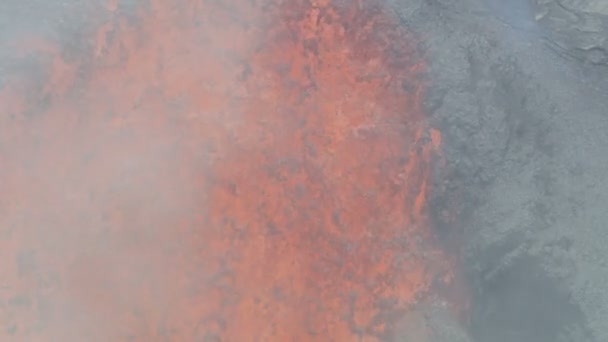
(218,170)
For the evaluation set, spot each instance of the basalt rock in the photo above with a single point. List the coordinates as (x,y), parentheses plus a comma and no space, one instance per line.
(576,28)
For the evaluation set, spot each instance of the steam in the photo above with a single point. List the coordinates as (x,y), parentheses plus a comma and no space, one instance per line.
(100,180)
(95,210)
(219,170)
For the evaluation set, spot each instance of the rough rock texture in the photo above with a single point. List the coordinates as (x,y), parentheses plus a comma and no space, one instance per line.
(523,108)
(578,28)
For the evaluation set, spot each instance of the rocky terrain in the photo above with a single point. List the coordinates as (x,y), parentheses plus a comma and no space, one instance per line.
(520,90)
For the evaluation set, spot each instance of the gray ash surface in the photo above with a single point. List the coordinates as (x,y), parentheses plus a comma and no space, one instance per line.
(520,92)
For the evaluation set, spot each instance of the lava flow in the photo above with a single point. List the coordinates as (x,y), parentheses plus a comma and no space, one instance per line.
(218,171)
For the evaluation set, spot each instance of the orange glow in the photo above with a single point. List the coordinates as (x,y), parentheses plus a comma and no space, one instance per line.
(238,170)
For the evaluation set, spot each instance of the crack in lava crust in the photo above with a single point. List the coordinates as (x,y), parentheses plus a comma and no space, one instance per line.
(234,171)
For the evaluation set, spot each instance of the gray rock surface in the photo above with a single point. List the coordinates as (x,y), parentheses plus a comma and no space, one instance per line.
(578,28)
(522,101)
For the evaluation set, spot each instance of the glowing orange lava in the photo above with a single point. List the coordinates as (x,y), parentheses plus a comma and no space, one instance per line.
(218,171)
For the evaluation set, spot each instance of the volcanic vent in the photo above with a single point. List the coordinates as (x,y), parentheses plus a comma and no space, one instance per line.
(219,170)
